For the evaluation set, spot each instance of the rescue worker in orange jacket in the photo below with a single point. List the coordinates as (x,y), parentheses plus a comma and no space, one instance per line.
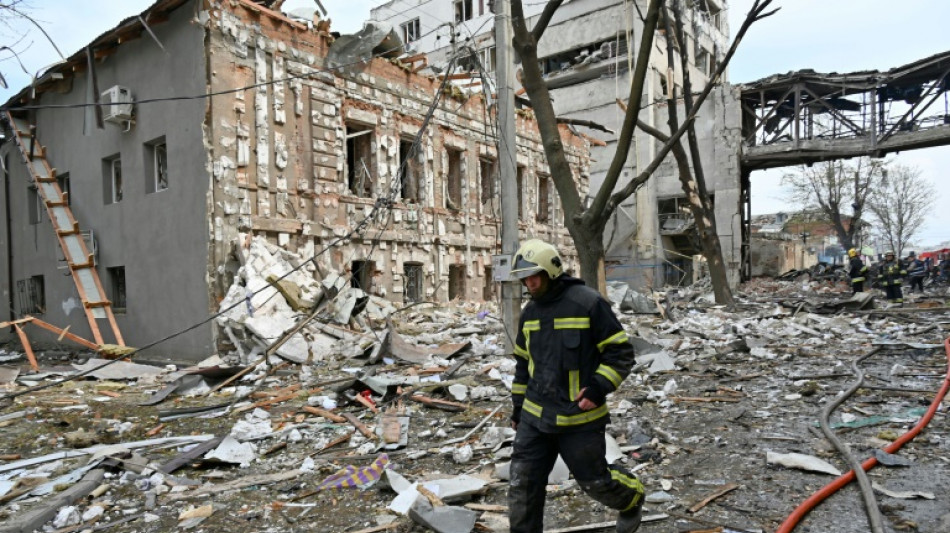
(857,271)
(571,352)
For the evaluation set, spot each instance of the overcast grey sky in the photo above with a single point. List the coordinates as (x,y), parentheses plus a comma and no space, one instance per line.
(823,35)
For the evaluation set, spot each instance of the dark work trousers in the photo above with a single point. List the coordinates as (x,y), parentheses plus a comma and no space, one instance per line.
(894,293)
(857,286)
(584,453)
(917,281)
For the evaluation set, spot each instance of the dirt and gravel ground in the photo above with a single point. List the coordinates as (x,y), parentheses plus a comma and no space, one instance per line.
(746,382)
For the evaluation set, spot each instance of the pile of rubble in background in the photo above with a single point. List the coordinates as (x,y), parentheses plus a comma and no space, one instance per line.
(337,411)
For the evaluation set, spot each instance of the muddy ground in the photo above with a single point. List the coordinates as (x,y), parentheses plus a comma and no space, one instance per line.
(746,382)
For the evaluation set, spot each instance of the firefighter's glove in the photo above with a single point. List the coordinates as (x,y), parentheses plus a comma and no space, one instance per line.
(595,394)
(516,414)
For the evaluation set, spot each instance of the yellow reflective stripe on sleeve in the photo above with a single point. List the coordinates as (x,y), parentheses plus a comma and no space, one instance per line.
(617,338)
(573,384)
(576,322)
(521,352)
(611,375)
(531,407)
(582,418)
(529,326)
(519,388)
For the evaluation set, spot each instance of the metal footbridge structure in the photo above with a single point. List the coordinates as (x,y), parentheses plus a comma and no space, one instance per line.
(805,117)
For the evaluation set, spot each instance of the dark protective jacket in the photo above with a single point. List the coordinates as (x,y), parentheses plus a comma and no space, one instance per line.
(857,270)
(568,339)
(916,269)
(891,273)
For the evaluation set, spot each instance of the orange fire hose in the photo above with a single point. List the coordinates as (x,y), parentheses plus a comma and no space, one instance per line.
(793,519)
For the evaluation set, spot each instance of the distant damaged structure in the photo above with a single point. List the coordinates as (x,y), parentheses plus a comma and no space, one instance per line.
(138,172)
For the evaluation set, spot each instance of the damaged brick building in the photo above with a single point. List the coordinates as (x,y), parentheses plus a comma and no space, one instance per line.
(225,120)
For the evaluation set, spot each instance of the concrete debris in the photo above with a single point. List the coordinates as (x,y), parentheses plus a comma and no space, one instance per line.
(232,451)
(801,461)
(117,370)
(373,419)
(902,494)
(442,519)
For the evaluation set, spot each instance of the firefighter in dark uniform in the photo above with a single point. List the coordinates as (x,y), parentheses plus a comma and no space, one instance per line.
(857,271)
(571,352)
(891,277)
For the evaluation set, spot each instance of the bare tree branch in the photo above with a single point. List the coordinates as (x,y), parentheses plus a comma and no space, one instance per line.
(545,18)
(756,13)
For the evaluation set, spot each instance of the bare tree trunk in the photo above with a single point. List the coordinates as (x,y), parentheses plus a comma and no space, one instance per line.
(702,209)
(587,225)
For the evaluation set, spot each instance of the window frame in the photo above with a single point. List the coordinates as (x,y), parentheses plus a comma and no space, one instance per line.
(543,214)
(35,205)
(112,179)
(359,142)
(31,293)
(413,280)
(411,31)
(118,287)
(464,10)
(454,195)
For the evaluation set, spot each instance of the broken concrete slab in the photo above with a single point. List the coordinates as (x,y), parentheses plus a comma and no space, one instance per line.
(117,370)
(442,519)
(234,452)
(44,513)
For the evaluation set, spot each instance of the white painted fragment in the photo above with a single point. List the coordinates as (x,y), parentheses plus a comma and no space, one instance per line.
(802,462)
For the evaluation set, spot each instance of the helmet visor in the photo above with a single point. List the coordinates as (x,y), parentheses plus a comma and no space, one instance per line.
(524,268)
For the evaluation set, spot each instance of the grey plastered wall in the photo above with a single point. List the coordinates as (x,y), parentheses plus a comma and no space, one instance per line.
(160,238)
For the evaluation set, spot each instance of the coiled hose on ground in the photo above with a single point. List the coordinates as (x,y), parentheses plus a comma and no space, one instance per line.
(793,519)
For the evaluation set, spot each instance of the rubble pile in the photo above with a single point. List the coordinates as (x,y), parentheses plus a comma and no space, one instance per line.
(337,411)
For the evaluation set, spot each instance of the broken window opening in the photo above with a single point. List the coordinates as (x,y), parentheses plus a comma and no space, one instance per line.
(709,12)
(34,203)
(359,160)
(664,87)
(584,55)
(481,61)
(488,291)
(488,58)
(31,294)
(63,181)
(544,199)
(463,10)
(362,274)
(520,192)
(456,282)
(117,287)
(408,165)
(112,179)
(156,165)
(488,169)
(410,31)
(453,197)
(412,282)
(702,60)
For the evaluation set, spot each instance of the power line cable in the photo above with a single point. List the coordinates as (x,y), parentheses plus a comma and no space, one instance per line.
(380,204)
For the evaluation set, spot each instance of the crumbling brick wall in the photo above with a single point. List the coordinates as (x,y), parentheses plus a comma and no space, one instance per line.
(278,152)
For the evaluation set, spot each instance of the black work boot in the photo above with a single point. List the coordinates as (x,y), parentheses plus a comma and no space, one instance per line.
(629,521)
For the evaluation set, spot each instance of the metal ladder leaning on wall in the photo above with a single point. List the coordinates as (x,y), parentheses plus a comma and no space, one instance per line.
(81,262)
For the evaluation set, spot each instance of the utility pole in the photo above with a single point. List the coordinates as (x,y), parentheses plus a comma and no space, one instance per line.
(507,167)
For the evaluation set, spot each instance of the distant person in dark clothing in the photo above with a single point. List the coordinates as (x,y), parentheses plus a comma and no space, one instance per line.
(917,271)
(857,271)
